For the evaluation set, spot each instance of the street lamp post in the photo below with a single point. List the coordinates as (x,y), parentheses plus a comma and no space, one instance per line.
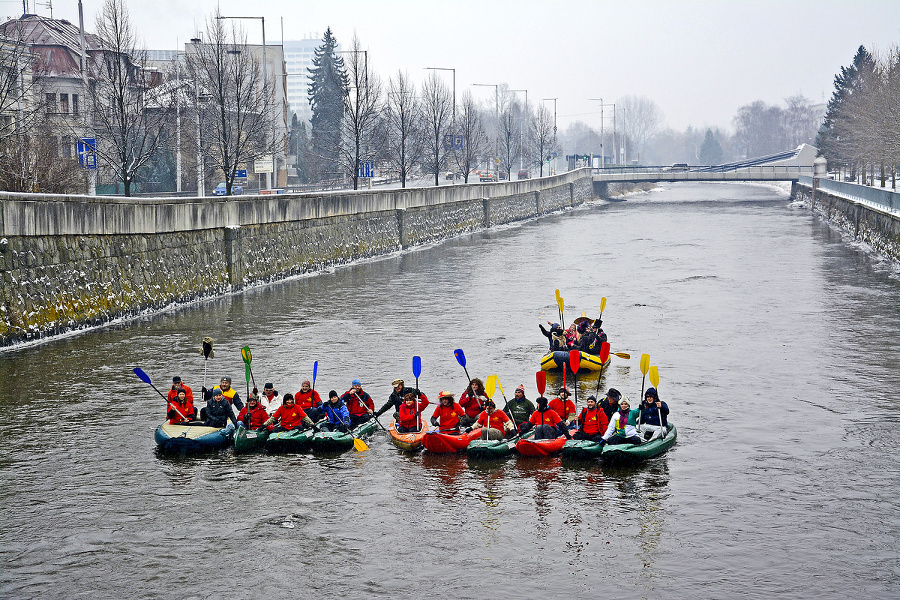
(265,84)
(554,129)
(497,106)
(453,124)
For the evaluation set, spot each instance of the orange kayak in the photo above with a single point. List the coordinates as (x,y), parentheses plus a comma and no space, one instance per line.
(407,441)
(533,447)
(435,441)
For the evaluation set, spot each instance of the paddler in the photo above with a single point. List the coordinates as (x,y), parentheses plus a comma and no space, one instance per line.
(622,426)
(409,419)
(493,423)
(336,414)
(359,404)
(610,404)
(178,384)
(472,401)
(592,422)
(396,398)
(564,407)
(253,415)
(289,416)
(180,408)
(228,392)
(218,411)
(270,400)
(651,410)
(309,400)
(520,407)
(547,424)
(447,414)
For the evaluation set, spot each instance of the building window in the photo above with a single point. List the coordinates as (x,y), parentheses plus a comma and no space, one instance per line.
(74,104)
(64,104)
(51,103)
(66,147)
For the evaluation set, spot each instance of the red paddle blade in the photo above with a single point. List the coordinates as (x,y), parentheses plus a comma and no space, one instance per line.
(604,352)
(574,360)
(541,377)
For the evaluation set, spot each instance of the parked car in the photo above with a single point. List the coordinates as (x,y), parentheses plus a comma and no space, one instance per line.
(487,176)
(679,167)
(236,190)
(523,174)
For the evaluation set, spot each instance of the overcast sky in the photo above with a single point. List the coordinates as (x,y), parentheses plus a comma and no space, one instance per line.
(699,60)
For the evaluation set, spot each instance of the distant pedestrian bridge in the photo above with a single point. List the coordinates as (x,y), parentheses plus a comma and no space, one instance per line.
(784,166)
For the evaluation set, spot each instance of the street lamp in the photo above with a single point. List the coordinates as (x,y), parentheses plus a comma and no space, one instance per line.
(453,124)
(497,104)
(554,128)
(521,149)
(265,81)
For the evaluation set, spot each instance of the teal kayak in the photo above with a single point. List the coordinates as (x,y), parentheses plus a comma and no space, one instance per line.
(248,440)
(337,441)
(191,437)
(623,454)
(487,449)
(582,449)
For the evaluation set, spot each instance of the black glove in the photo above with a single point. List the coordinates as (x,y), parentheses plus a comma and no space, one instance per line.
(435,422)
(418,393)
(467,430)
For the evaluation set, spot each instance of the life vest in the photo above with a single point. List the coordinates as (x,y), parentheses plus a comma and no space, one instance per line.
(290,417)
(307,400)
(448,416)
(545,417)
(254,418)
(592,421)
(409,418)
(228,394)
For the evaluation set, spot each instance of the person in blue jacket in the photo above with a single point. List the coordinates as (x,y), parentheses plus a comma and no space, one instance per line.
(652,409)
(336,414)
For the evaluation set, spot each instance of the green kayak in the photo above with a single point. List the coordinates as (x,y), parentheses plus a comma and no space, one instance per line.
(248,440)
(581,449)
(623,454)
(337,441)
(487,449)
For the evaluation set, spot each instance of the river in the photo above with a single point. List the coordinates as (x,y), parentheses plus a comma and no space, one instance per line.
(777,342)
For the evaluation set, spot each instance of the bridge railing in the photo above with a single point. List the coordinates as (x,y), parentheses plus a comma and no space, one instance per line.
(760,169)
(855,191)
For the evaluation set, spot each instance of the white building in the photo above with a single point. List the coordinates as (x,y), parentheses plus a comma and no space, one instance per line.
(298,59)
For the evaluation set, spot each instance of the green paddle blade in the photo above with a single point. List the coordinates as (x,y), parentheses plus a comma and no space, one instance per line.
(247,372)
(245,354)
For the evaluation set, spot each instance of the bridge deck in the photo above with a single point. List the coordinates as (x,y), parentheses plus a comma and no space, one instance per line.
(747,174)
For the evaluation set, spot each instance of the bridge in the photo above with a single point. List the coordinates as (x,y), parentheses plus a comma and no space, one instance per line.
(783,166)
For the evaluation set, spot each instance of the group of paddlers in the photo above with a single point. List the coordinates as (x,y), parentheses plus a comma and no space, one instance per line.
(609,421)
(585,335)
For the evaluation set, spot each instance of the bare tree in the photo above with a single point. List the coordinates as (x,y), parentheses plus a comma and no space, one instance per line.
(543,137)
(474,137)
(237,120)
(129,110)
(437,111)
(403,123)
(641,121)
(509,142)
(362,104)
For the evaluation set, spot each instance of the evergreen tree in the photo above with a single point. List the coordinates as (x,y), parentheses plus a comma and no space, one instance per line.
(710,151)
(847,83)
(328,85)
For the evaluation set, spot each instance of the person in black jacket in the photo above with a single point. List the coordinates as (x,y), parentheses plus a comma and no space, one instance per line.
(652,408)
(610,404)
(556,336)
(396,398)
(218,411)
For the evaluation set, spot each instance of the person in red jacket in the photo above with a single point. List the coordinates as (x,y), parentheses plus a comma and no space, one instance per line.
(289,416)
(564,407)
(359,404)
(253,415)
(180,408)
(472,400)
(410,413)
(309,400)
(592,422)
(447,414)
(178,384)
(547,424)
(492,422)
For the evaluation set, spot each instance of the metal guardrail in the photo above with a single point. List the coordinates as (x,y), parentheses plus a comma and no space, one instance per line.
(855,191)
(758,169)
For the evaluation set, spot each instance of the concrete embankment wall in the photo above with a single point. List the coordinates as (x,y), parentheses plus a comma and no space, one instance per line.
(71,261)
(879,228)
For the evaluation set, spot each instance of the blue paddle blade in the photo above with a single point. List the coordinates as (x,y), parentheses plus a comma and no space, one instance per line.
(417,366)
(460,357)
(315,369)
(141,375)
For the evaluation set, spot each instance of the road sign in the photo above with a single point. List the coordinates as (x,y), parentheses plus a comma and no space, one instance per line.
(457,142)
(240,173)
(366,168)
(86,149)
(264,164)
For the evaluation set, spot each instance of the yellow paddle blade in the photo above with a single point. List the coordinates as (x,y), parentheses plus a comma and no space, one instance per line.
(359,445)
(654,376)
(490,386)
(500,386)
(645,363)
(560,303)
(602,304)
(624,355)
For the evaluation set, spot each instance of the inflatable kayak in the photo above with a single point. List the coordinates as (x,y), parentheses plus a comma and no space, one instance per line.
(532,447)
(622,454)
(338,441)
(248,440)
(436,441)
(295,440)
(555,360)
(487,449)
(191,438)
(407,441)
(581,449)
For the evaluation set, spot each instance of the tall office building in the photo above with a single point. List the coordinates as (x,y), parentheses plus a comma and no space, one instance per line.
(298,58)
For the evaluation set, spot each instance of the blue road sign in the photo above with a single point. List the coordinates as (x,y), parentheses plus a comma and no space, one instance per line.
(366,168)
(86,148)
(457,142)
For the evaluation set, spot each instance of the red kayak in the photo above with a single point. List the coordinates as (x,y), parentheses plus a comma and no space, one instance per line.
(435,441)
(533,447)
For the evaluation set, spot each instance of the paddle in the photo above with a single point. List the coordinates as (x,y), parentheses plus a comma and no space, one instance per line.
(602,306)
(604,356)
(574,364)
(248,371)
(363,404)
(315,370)
(146,379)
(624,355)
(207,351)
(358,443)
(560,304)
(417,370)
(645,366)
(490,386)
(461,359)
(541,380)
(654,381)
(506,402)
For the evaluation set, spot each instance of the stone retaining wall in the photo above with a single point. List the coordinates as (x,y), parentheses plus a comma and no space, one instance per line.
(879,228)
(68,262)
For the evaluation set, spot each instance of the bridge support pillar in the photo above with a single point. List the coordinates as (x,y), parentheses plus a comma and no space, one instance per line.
(487,212)
(402,234)
(601,190)
(234,257)
(537,203)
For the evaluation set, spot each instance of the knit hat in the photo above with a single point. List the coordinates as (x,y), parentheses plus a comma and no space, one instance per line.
(228,379)
(217,392)
(520,388)
(356,382)
(565,391)
(541,402)
(269,386)
(651,392)
(176,379)
(332,394)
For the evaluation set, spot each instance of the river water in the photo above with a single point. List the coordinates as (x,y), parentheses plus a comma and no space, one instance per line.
(777,342)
